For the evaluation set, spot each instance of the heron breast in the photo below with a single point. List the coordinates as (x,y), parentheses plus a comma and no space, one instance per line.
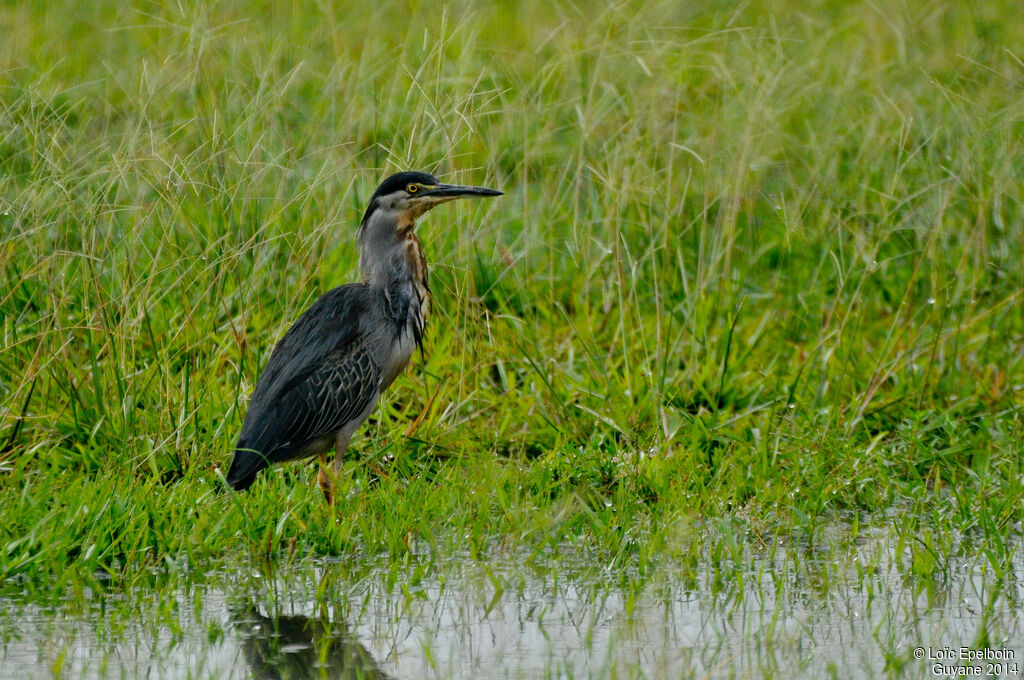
(398,358)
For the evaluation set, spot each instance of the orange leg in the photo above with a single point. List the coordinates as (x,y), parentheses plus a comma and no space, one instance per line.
(328,475)
(323,478)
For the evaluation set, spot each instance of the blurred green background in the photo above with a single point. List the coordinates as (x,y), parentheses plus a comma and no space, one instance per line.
(759,261)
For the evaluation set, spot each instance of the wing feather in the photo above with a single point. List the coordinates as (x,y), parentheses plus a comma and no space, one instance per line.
(319,377)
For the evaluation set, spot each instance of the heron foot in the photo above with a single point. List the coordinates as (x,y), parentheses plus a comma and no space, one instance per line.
(325,480)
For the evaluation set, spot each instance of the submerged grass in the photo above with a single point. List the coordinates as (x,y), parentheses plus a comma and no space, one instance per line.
(758,270)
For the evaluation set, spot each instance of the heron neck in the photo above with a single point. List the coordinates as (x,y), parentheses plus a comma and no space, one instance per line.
(391,258)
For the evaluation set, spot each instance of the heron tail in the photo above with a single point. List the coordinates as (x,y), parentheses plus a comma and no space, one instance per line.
(245,465)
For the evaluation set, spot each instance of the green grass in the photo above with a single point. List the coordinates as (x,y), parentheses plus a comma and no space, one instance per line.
(758,271)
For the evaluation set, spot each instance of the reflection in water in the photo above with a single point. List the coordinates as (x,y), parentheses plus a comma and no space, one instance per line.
(297,647)
(857,611)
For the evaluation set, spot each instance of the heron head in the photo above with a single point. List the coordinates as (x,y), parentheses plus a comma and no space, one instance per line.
(404,196)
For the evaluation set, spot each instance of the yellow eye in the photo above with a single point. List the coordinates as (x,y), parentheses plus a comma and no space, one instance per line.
(412,188)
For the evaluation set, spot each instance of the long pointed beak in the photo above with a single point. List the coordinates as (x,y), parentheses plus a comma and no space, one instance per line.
(459,191)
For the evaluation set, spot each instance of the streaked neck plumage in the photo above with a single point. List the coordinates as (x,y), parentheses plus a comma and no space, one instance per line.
(391,261)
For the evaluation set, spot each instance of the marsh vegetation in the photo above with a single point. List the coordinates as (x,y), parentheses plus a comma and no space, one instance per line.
(746,331)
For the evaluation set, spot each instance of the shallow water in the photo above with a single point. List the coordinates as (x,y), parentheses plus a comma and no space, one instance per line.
(854,613)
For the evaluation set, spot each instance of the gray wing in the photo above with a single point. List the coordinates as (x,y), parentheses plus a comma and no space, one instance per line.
(319,378)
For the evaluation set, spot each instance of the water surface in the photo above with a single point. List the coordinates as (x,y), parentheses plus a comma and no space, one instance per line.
(852,613)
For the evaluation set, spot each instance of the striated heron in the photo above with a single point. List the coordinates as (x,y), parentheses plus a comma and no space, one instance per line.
(325,375)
